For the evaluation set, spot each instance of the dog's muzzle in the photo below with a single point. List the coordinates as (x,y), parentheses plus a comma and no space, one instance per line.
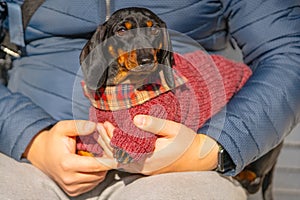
(146,61)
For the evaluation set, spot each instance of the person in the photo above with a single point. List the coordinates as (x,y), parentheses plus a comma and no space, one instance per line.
(41,88)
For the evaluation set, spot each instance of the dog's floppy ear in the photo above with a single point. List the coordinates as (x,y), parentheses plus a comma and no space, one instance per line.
(165,57)
(92,60)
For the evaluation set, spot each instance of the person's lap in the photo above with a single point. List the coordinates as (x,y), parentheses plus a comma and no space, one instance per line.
(24,181)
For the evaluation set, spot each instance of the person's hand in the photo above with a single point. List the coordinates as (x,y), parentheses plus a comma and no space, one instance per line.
(53,152)
(178,148)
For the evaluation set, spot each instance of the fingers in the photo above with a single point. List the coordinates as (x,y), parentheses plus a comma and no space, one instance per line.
(81,182)
(104,141)
(75,127)
(175,140)
(84,164)
(157,126)
(108,162)
(75,190)
(110,128)
(83,178)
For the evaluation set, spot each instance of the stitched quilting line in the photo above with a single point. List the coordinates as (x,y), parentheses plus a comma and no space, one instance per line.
(65,13)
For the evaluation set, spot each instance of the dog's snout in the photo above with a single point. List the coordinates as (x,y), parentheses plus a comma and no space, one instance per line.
(144,56)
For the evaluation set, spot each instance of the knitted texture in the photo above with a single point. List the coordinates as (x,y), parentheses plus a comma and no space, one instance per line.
(212,80)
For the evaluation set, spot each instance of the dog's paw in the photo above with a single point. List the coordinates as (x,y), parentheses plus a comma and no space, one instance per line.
(122,156)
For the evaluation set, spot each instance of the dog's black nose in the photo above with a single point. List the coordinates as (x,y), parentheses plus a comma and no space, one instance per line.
(144,56)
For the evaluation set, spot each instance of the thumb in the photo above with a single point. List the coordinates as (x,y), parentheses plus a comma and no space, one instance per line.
(75,127)
(157,126)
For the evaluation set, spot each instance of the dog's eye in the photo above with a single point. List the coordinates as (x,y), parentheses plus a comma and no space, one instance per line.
(121,31)
(154,30)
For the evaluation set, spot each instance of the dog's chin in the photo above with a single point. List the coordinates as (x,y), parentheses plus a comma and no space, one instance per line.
(135,76)
(139,74)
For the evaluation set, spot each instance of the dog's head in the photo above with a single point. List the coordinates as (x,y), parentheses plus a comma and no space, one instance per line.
(131,45)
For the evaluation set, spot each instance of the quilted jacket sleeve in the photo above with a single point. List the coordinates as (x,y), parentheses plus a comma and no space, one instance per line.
(268,106)
(20,121)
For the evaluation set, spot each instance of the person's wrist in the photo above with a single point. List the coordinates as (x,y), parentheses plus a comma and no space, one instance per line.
(208,152)
(35,141)
(32,146)
(202,155)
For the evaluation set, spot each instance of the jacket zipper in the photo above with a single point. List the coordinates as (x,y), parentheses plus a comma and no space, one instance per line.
(107,4)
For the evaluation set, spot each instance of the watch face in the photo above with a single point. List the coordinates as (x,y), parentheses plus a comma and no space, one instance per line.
(225,162)
(221,160)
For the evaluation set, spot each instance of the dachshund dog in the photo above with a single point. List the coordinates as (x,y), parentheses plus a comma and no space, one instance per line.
(132,51)
(129,48)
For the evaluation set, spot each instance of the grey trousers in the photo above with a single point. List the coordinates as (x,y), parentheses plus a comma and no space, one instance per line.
(24,181)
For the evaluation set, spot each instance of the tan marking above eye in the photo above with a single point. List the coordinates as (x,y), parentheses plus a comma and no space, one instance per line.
(128,25)
(111,50)
(160,45)
(149,23)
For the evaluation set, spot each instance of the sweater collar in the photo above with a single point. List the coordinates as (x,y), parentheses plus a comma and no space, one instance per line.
(124,96)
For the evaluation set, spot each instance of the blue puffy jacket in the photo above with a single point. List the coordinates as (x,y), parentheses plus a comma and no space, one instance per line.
(256,119)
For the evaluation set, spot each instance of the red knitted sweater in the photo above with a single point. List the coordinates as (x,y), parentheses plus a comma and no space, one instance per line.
(212,80)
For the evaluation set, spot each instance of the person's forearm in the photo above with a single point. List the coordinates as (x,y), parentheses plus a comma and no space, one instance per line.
(262,113)
(20,121)
(267,107)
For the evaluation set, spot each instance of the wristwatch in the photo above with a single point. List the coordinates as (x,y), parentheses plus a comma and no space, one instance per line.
(225,162)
